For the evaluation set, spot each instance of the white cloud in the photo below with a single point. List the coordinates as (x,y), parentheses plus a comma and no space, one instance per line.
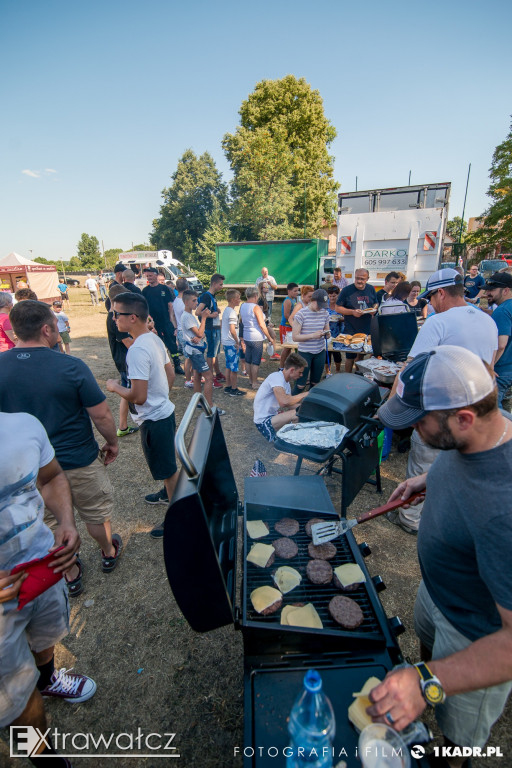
(50,170)
(33,174)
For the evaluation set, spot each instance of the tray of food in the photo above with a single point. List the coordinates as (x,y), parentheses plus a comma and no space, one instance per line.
(357,342)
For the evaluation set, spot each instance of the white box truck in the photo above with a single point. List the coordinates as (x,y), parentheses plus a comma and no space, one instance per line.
(398,229)
(171,268)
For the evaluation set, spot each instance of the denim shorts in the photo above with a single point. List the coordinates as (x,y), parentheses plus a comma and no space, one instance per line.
(213,340)
(38,626)
(253,352)
(197,360)
(267,430)
(232,358)
(467,718)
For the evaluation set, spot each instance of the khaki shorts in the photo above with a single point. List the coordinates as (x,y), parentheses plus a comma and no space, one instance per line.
(92,494)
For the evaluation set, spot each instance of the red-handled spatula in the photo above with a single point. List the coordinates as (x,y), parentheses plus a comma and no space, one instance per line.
(324,532)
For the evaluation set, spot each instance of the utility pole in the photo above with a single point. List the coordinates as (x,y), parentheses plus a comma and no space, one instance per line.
(356,183)
(409,179)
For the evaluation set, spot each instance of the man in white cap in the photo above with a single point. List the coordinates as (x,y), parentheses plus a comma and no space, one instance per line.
(457,323)
(463,611)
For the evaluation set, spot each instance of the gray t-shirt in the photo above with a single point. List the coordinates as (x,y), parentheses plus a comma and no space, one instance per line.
(465,538)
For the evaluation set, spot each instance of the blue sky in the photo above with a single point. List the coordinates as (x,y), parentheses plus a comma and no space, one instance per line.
(100,99)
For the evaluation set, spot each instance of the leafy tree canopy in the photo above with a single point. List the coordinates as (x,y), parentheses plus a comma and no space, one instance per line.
(143,247)
(196,191)
(497,219)
(204,261)
(453,228)
(88,252)
(283,173)
(112,257)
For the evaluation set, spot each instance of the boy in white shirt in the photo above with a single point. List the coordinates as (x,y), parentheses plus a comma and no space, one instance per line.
(274,404)
(62,326)
(231,343)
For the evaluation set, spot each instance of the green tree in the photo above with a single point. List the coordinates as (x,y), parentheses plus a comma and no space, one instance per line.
(88,251)
(144,247)
(112,257)
(283,173)
(196,191)
(453,229)
(496,231)
(204,261)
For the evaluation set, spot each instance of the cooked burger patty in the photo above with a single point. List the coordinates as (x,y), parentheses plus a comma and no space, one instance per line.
(322,551)
(285,548)
(319,572)
(287,526)
(346,612)
(350,588)
(312,522)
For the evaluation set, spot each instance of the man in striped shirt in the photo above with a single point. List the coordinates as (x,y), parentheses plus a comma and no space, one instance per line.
(310,328)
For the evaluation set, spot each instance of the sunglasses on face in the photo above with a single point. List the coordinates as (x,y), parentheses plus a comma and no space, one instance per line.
(127,314)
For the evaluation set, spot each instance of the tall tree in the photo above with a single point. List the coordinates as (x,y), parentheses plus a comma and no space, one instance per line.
(196,190)
(496,229)
(88,251)
(283,173)
(204,262)
(453,228)
(112,257)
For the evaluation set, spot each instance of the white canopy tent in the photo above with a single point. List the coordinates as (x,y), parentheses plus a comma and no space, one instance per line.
(42,278)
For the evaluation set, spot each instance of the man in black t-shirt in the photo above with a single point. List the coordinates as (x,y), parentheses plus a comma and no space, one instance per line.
(353,303)
(160,299)
(119,344)
(390,282)
(128,284)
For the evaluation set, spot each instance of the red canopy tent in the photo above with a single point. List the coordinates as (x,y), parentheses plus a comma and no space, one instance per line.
(42,278)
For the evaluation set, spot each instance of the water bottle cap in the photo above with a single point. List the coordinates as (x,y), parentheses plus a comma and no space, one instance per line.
(313,681)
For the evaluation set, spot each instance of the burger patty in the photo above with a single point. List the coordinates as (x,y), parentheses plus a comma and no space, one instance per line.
(321,552)
(319,572)
(272,608)
(312,522)
(346,612)
(350,588)
(287,526)
(285,548)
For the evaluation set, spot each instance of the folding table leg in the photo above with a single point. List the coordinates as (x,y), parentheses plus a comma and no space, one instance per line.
(298,465)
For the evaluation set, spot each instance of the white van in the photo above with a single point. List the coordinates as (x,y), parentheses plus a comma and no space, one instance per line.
(171,268)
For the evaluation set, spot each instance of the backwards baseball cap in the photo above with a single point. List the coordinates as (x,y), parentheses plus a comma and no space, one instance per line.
(119,268)
(321,297)
(447,377)
(151,269)
(441,279)
(499,280)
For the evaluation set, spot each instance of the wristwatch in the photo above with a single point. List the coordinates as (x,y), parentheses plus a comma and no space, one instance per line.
(430,685)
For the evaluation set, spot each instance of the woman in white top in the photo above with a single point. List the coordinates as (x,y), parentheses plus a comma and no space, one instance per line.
(255,333)
(396,304)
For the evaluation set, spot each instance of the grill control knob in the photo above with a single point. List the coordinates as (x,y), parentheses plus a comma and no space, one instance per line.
(395,623)
(364,548)
(378,583)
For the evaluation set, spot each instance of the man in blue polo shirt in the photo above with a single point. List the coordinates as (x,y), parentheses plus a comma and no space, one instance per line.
(474,285)
(499,291)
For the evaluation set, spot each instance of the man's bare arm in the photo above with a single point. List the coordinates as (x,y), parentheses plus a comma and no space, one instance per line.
(104,422)
(285,400)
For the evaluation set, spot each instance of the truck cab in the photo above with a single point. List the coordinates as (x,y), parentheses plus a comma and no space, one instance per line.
(171,268)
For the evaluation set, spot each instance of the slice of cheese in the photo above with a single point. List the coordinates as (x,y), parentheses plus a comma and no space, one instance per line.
(350,573)
(257,529)
(357,711)
(260,554)
(264,597)
(287,578)
(305,617)
(286,612)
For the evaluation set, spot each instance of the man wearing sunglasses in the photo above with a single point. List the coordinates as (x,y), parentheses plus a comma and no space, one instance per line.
(456,323)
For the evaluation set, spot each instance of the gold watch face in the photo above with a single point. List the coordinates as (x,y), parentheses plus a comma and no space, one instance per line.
(433,693)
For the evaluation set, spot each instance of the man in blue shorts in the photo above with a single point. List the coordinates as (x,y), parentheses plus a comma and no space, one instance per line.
(207,300)
(274,404)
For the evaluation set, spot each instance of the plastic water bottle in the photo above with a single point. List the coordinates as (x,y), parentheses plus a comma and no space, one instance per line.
(312,727)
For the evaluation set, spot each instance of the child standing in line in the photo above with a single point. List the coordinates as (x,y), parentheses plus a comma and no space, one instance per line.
(62,326)
(231,342)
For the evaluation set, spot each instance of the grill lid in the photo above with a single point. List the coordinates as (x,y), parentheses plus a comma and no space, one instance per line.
(343,398)
(201,524)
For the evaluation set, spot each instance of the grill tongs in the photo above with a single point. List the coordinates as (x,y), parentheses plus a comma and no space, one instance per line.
(324,532)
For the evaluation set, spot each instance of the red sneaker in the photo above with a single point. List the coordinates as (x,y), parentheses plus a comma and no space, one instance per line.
(217,384)
(220,377)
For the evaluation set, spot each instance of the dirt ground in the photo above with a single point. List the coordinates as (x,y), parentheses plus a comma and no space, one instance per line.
(153,672)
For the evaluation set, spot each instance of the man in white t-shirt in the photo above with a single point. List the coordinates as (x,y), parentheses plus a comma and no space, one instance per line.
(456,323)
(30,477)
(274,404)
(230,342)
(179,308)
(92,287)
(272,286)
(151,375)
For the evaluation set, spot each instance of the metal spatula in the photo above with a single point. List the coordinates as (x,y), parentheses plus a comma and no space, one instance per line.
(324,532)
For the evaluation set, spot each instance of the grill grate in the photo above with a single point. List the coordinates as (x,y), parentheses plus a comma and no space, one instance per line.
(318,595)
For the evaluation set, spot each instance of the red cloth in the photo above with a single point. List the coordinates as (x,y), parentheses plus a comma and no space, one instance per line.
(40,578)
(5,325)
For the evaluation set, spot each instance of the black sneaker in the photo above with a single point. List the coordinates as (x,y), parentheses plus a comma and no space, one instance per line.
(160,497)
(109,563)
(236,393)
(158,531)
(179,370)
(228,390)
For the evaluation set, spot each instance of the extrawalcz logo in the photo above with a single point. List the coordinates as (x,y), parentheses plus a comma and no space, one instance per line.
(28,741)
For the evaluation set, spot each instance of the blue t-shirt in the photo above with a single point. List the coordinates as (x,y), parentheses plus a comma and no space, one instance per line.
(56,389)
(210,302)
(502,316)
(473,285)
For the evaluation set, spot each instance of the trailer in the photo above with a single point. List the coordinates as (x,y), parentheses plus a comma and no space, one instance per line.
(397,229)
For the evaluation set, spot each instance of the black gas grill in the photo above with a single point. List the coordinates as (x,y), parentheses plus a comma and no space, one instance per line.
(200,549)
(350,400)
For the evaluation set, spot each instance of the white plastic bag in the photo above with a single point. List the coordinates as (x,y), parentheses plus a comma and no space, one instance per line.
(270,350)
